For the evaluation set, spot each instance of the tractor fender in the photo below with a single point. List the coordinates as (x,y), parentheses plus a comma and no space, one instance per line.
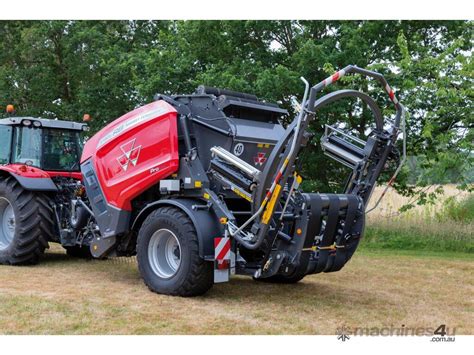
(205,221)
(32,179)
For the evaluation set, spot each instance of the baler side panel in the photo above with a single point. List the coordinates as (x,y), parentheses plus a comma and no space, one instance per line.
(130,160)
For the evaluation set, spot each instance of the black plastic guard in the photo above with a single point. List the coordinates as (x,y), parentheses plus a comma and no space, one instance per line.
(36,184)
(111,220)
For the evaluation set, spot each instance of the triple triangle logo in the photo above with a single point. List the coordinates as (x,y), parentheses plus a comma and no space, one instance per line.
(130,154)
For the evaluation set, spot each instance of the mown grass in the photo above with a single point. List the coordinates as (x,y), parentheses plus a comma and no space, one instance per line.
(417,253)
(413,269)
(377,288)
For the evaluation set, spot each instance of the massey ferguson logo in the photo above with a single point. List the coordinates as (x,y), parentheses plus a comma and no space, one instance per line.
(130,154)
(260,159)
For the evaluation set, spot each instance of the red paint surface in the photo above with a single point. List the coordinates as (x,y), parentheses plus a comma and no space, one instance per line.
(36,173)
(149,150)
(25,171)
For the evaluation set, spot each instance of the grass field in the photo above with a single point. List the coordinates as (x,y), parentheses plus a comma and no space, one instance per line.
(378,287)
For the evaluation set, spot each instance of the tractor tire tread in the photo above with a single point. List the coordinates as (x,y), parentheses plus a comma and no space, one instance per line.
(35,224)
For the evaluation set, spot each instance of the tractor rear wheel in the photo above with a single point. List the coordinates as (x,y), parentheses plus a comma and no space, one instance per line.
(26,224)
(168,255)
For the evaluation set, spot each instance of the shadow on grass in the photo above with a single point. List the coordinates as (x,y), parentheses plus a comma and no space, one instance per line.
(54,257)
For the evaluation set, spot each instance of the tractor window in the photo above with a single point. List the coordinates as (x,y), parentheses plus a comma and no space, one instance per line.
(28,146)
(62,149)
(5,144)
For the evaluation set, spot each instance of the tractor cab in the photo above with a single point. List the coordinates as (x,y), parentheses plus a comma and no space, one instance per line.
(50,145)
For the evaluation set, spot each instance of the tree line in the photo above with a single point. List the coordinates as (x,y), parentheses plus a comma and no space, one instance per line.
(63,69)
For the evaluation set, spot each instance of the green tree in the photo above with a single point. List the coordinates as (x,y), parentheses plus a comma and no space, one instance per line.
(105,68)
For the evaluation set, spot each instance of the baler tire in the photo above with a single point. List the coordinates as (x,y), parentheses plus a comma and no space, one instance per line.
(33,224)
(81,252)
(298,274)
(194,276)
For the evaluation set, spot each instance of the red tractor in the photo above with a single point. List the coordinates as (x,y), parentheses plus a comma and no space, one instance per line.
(39,170)
(199,187)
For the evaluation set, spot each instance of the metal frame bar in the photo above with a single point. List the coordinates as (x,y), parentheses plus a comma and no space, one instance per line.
(328,128)
(354,69)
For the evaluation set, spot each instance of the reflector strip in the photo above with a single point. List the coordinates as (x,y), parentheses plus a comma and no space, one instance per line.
(278,177)
(336,76)
(271,205)
(222,252)
(391,94)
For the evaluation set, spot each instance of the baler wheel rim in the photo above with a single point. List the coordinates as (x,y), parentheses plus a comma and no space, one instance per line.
(164,253)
